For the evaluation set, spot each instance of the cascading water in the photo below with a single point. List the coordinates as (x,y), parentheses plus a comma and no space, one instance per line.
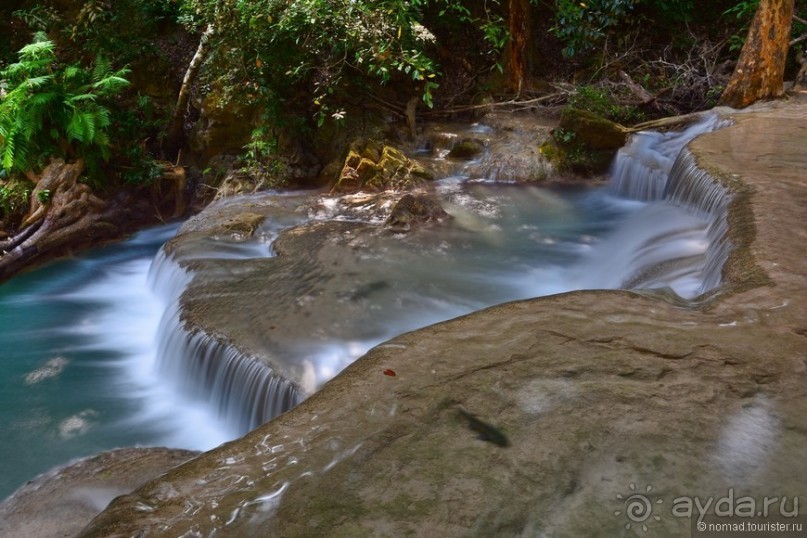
(658,246)
(641,169)
(196,390)
(77,363)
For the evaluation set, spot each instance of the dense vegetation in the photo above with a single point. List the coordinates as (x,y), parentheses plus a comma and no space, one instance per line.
(126,84)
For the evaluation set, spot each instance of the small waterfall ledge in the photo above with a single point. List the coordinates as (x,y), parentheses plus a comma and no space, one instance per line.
(697,190)
(657,166)
(245,390)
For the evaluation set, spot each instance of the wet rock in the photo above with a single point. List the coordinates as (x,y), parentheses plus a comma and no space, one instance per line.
(64,500)
(414,209)
(466,149)
(584,143)
(592,130)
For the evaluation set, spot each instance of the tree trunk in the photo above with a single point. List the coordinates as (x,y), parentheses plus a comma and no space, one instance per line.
(760,70)
(518,60)
(176,134)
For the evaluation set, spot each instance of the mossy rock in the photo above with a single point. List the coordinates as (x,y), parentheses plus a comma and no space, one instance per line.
(584,143)
(591,130)
(377,167)
(466,149)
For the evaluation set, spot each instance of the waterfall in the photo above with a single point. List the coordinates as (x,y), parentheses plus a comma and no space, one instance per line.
(676,239)
(245,390)
(642,167)
(697,190)
(656,248)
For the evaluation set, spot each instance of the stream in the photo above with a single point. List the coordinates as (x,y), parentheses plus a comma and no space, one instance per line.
(81,366)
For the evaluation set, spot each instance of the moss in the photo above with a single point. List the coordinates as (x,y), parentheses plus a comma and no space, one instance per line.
(592,130)
(466,149)
(583,143)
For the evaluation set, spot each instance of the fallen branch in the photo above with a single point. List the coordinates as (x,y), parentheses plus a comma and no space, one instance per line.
(665,123)
(500,104)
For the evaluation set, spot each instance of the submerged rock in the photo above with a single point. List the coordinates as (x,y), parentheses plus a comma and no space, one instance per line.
(414,209)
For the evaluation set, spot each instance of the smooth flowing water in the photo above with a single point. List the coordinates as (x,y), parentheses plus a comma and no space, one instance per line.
(79,361)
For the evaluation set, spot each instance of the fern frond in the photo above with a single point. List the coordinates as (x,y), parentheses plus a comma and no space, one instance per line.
(110,85)
(41,100)
(72,72)
(8,153)
(41,48)
(102,117)
(37,82)
(88,119)
(102,69)
(76,129)
(81,98)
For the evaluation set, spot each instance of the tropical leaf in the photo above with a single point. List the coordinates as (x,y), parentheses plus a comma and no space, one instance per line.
(36,82)
(81,98)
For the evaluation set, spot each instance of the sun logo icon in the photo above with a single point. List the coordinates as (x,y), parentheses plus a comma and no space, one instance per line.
(638,507)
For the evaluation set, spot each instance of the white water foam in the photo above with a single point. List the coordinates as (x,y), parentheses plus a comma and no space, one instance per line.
(127,327)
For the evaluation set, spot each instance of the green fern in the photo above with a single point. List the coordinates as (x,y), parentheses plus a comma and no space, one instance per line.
(54,110)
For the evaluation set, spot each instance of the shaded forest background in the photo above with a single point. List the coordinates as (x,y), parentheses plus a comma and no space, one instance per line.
(162,97)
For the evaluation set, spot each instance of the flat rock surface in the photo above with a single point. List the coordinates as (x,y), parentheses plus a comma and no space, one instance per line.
(543,417)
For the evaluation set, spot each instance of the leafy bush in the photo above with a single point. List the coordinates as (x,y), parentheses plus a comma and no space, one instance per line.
(601,103)
(14,195)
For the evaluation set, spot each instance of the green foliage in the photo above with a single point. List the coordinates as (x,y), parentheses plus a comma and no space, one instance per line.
(742,11)
(48,109)
(601,103)
(14,195)
(261,158)
(44,196)
(334,50)
(38,18)
(583,25)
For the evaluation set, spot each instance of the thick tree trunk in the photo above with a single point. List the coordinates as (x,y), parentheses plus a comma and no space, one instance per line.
(176,134)
(518,59)
(760,70)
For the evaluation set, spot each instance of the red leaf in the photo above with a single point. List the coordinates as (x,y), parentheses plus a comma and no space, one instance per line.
(390,373)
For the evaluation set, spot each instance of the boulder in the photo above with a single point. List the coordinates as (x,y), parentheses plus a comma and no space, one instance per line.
(466,149)
(414,209)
